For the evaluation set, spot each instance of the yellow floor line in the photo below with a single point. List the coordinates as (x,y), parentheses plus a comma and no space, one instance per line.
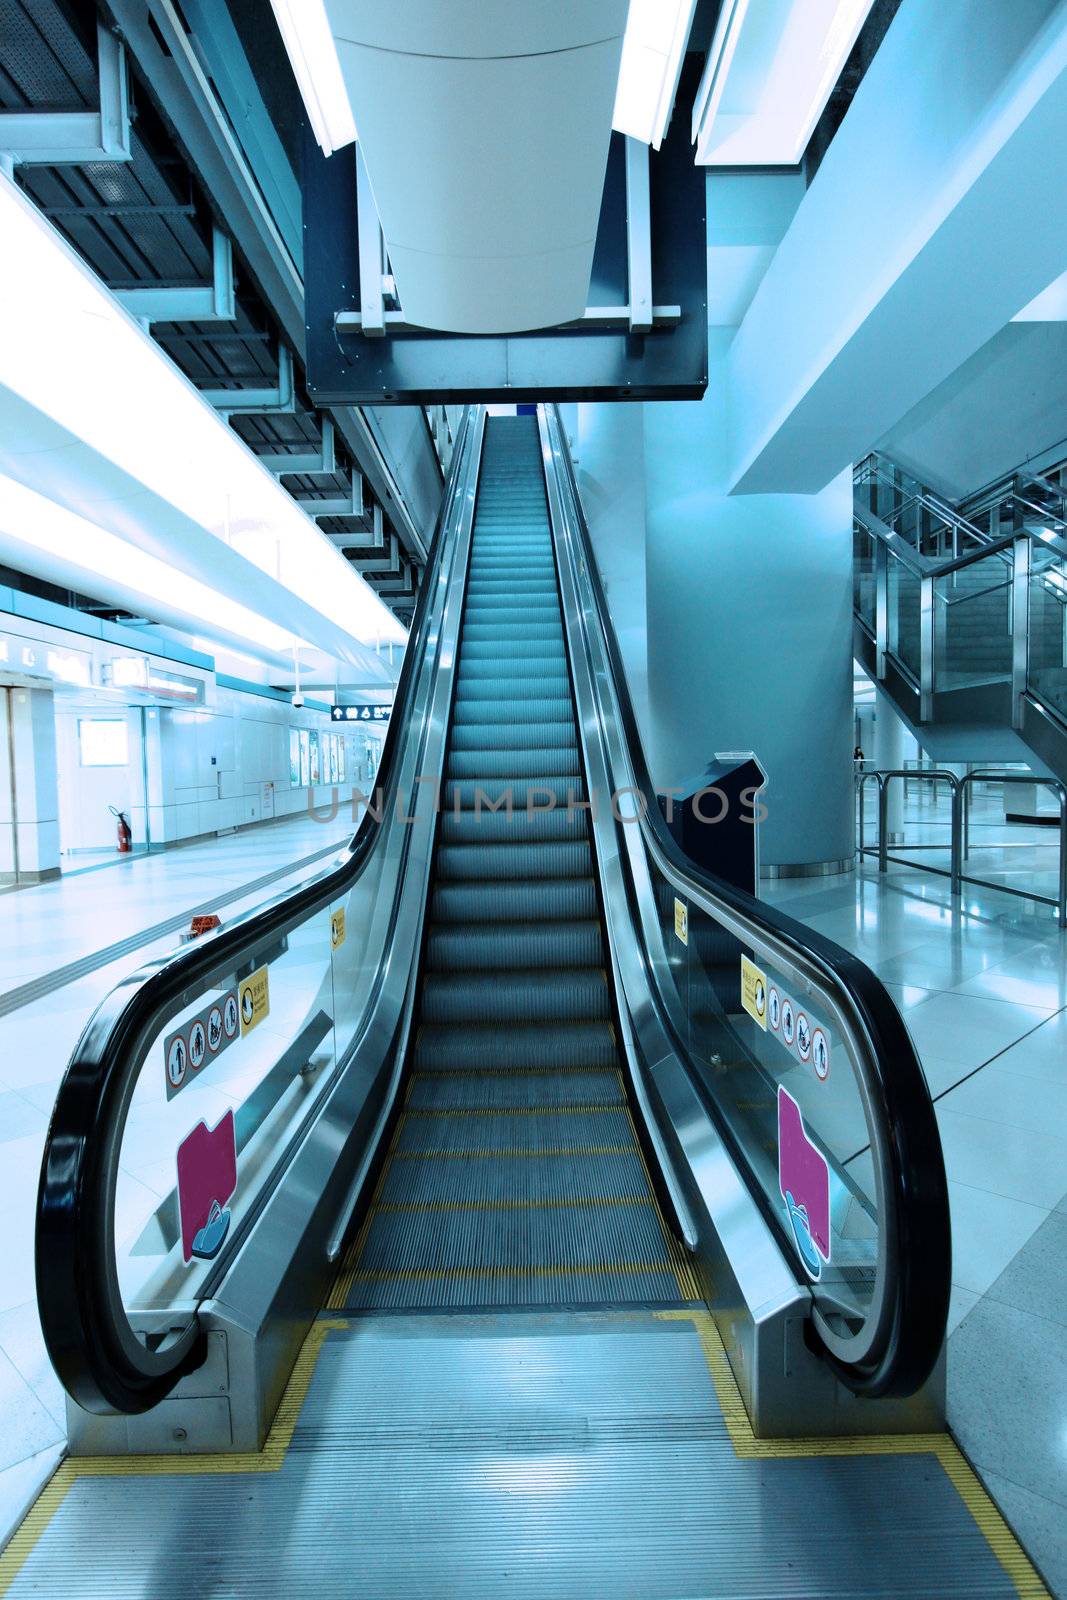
(269,1459)
(990,1522)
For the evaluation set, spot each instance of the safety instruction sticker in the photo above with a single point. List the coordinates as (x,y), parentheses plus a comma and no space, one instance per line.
(790,1025)
(754,991)
(681,921)
(207,1181)
(337,929)
(254,999)
(198,1041)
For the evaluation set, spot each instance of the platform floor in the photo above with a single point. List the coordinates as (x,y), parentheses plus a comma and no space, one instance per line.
(982,985)
(47,933)
(559,1454)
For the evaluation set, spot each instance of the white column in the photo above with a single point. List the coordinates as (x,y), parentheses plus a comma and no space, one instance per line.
(887,754)
(33,745)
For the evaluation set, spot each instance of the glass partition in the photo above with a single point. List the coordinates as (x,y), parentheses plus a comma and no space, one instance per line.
(863,580)
(972,624)
(904,597)
(1047,644)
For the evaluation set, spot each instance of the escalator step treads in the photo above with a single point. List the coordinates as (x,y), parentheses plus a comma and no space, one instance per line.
(458,863)
(541,709)
(513,736)
(490,763)
(517,901)
(523,1091)
(535,654)
(502,1180)
(472,795)
(513,632)
(483,687)
(511,607)
(523,824)
(578,995)
(557,945)
(530,1133)
(542,1255)
(533,587)
(520,1047)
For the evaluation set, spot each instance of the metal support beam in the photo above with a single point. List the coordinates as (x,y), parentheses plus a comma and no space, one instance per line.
(323,460)
(253,402)
(639,236)
(72,138)
(927,682)
(359,541)
(595,318)
(350,505)
(212,302)
(1020,622)
(371,254)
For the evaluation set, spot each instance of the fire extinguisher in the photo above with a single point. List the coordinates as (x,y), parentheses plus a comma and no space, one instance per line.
(123,831)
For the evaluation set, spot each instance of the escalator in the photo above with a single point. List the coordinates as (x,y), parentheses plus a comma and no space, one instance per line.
(620,1292)
(515,1177)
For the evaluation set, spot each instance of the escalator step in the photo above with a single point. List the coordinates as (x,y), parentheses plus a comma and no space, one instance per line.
(539,1132)
(554,945)
(444,1091)
(503,1180)
(522,825)
(545,655)
(523,791)
(489,763)
(579,995)
(518,901)
(513,736)
(520,1047)
(532,710)
(486,688)
(459,863)
(537,1255)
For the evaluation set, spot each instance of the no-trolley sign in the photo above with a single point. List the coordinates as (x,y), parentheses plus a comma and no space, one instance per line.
(199,1040)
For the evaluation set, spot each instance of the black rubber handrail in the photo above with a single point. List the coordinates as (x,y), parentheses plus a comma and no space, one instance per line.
(98,1358)
(917,1212)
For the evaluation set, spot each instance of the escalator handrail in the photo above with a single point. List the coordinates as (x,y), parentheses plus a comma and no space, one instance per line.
(916,1214)
(99,1360)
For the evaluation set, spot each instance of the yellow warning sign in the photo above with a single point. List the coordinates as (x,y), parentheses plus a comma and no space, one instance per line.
(337,928)
(254,999)
(681,921)
(754,991)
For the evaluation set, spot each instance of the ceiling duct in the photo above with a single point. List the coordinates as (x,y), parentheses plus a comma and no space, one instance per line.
(485,133)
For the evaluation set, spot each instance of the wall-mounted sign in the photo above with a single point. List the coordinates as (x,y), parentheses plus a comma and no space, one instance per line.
(138,672)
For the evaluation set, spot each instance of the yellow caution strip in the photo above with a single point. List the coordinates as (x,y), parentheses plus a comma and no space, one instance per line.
(269,1459)
(942,1446)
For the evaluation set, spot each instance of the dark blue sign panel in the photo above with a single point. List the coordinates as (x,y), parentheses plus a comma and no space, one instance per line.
(360,711)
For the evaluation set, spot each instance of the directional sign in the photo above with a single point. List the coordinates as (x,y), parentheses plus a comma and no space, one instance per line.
(361,711)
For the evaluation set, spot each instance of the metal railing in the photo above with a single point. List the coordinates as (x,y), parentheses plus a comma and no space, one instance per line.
(917,560)
(959,830)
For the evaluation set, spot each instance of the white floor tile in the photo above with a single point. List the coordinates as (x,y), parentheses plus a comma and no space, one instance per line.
(988,1231)
(1014,1162)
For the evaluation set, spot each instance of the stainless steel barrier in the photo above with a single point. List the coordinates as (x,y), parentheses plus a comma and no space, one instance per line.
(959,841)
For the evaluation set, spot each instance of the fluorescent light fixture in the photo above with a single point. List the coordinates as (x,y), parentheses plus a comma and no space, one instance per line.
(33,528)
(123,403)
(652,51)
(305,29)
(771,68)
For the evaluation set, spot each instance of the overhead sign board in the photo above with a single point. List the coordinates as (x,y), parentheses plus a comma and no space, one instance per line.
(360,711)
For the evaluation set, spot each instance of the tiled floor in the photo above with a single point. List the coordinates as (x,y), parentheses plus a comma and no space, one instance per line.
(42,928)
(983,988)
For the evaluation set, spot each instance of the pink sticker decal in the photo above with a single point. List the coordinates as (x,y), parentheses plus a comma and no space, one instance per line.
(804,1179)
(207,1178)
